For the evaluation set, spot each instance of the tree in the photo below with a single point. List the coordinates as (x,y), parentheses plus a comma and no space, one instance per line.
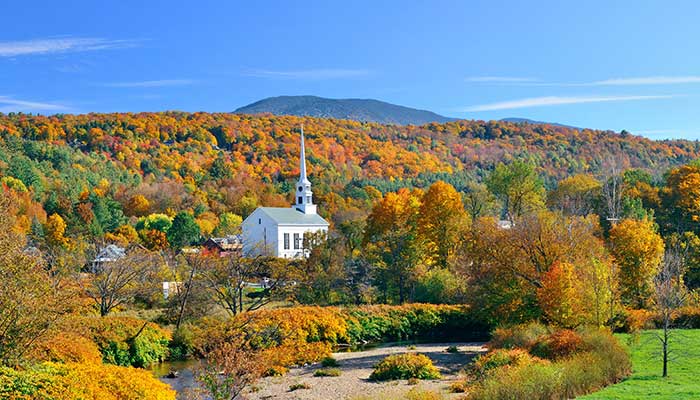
(229,224)
(30,299)
(638,250)
(517,187)
(669,295)
(390,242)
(441,222)
(55,230)
(680,198)
(575,195)
(230,368)
(478,201)
(184,230)
(117,282)
(505,268)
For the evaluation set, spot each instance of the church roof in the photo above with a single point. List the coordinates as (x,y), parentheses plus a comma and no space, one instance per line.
(292,216)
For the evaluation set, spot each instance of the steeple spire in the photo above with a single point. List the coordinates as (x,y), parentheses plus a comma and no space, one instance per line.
(304,197)
(302,159)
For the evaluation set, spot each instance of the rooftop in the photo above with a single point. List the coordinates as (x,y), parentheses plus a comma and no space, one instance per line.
(292,216)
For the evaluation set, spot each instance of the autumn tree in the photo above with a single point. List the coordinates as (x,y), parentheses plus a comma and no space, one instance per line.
(517,187)
(575,195)
(680,198)
(478,201)
(30,302)
(506,268)
(441,223)
(390,241)
(638,250)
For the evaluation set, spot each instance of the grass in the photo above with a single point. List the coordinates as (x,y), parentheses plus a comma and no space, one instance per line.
(646,381)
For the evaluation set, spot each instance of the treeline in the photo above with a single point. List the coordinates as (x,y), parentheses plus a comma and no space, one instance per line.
(81,177)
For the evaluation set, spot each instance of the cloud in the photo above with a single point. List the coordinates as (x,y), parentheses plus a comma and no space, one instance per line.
(9,104)
(555,100)
(649,80)
(499,79)
(60,45)
(151,84)
(311,74)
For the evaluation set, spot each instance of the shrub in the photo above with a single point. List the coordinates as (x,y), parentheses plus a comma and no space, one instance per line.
(66,347)
(519,336)
(181,346)
(405,366)
(297,386)
(636,320)
(559,344)
(329,362)
(599,362)
(327,372)
(129,341)
(452,350)
(485,364)
(460,386)
(422,394)
(82,381)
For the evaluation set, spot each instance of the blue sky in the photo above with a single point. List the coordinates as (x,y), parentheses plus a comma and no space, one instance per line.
(631,65)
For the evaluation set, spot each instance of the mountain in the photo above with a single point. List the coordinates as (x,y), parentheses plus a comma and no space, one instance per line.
(530,121)
(366,110)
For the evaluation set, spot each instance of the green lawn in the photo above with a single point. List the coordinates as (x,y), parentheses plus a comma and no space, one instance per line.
(646,382)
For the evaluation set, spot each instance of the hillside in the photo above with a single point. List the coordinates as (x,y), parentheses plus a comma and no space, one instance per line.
(364,110)
(96,170)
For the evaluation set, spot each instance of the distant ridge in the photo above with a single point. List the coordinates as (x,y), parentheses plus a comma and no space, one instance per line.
(530,121)
(366,110)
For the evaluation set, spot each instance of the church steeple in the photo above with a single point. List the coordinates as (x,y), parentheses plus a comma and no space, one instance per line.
(304,197)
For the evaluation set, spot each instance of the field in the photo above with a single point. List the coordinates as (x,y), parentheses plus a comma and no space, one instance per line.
(646,380)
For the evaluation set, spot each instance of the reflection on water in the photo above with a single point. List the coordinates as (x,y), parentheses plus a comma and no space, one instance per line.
(185,374)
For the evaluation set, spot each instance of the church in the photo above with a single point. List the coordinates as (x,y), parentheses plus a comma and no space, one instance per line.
(279,231)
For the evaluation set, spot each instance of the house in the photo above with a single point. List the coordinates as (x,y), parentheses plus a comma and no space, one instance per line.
(280,231)
(224,246)
(105,255)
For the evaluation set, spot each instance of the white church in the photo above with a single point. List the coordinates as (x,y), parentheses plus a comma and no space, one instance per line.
(279,231)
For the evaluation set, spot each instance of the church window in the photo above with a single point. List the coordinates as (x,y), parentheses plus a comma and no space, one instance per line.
(300,200)
(286,241)
(308,199)
(297,241)
(259,221)
(301,188)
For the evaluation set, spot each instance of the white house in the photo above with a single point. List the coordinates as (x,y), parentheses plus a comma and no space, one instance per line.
(279,231)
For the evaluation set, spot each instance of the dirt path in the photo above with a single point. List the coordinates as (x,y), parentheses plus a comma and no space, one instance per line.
(356,367)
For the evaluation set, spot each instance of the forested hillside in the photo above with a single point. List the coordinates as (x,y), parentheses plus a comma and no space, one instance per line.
(94,171)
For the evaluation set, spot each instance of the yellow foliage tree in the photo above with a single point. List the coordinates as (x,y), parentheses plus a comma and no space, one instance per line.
(441,222)
(55,230)
(638,250)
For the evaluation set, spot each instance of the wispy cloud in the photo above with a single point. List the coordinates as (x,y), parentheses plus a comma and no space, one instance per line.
(556,100)
(151,84)
(648,80)
(60,45)
(9,104)
(311,74)
(499,79)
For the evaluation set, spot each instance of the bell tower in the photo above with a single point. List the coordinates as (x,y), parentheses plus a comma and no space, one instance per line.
(304,195)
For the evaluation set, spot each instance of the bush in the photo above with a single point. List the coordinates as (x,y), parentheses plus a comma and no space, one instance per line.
(129,341)
(519,336)
(405,366)
(559,344)
(485,364)
(329,362)
(599,361)
(181,347)
(82,381)
(327,372)
(452,350)
(298,386)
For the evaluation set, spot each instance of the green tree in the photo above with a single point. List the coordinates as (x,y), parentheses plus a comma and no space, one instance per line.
(184,230)
(518,188)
